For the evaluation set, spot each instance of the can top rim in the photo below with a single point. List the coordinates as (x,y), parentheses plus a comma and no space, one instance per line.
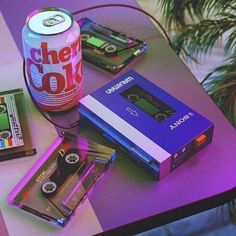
(44,9)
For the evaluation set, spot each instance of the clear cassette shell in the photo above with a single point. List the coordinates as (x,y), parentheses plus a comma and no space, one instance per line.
(61,179)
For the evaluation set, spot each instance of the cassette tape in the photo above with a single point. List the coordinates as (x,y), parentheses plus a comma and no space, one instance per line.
(10,127)
(15,136)
(61,179)
(155,128)
(107,48)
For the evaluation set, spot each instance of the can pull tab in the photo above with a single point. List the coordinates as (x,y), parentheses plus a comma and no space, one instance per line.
(53,20)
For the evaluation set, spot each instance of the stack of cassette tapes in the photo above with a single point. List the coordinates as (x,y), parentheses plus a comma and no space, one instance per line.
(60,180)
(15,135)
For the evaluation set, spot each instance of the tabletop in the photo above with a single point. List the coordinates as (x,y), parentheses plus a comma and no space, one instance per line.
(127,199)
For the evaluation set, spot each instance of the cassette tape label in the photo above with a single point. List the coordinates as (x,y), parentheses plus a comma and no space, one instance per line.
(10,129)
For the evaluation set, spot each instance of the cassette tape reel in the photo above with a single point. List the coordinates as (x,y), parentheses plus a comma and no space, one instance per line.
(61,179)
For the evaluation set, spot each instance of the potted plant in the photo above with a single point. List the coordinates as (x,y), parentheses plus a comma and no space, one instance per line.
(198,26)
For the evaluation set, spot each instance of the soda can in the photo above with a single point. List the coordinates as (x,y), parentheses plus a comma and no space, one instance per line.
(52,52)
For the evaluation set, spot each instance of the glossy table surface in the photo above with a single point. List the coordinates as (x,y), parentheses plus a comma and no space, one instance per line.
(127,199)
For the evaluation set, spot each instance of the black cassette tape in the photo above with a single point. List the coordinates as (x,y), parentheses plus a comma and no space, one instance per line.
(15,136)
(61,179)
(106,48)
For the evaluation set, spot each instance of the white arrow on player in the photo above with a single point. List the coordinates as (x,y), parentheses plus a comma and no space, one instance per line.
(131,111)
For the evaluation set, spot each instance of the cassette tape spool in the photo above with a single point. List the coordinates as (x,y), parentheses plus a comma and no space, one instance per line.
(61,179)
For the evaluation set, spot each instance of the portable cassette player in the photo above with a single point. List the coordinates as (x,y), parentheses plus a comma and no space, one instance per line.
(150,124)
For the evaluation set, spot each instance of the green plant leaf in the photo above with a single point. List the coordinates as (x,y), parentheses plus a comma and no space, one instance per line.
(178,12)
(221,86)
(201,37)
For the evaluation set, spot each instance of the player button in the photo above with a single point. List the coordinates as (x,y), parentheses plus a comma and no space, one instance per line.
(175,155)
(200,140)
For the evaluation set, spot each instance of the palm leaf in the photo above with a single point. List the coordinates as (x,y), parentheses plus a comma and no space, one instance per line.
(221,86)
(177,12)
(201,37)
(230,45)
(211,19)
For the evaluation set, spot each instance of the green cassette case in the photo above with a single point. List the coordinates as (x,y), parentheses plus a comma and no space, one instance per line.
(16,139)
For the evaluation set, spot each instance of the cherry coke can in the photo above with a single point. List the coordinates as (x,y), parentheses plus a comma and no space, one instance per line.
(52,51)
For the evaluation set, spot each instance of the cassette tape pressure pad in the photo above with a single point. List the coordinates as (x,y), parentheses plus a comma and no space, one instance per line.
(155,128)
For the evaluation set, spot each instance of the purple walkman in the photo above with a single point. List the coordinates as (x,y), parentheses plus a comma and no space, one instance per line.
(155,128)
